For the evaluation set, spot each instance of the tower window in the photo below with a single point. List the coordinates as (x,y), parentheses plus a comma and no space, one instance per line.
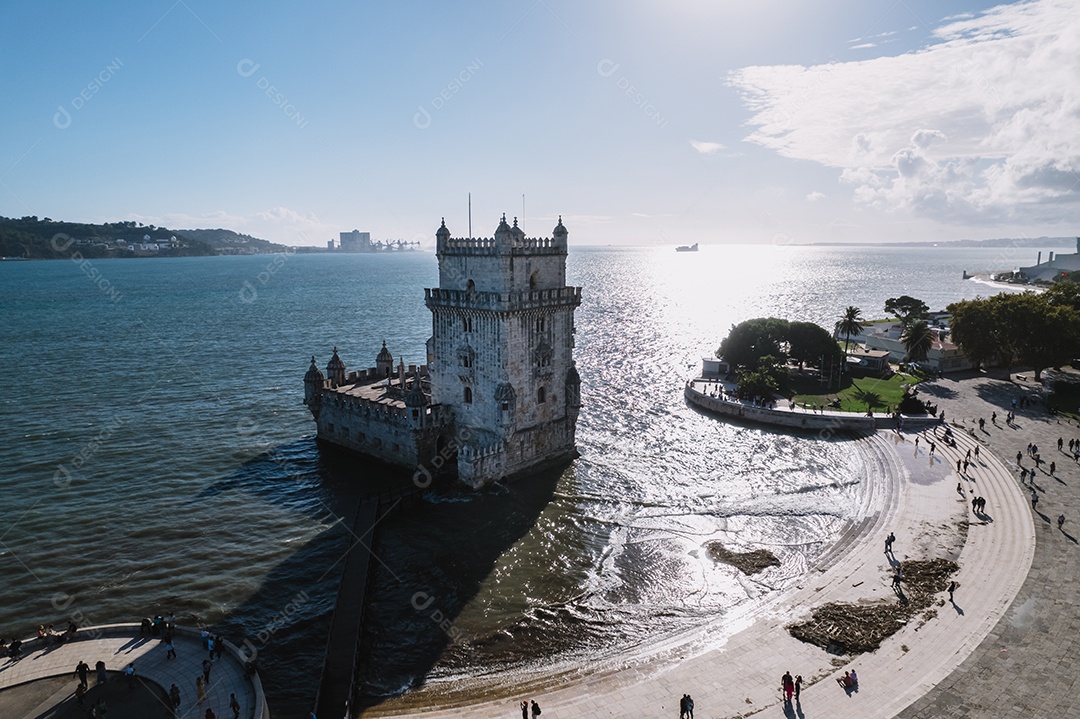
(466,361)
(541,395)
(540,325)
(468,395)
(466,324)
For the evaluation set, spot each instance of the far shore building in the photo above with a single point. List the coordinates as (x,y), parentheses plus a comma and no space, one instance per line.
(355,241)
(1054,266)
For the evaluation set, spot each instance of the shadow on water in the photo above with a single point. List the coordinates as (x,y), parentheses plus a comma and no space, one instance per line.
(286,620)
(432,561)
(443,546)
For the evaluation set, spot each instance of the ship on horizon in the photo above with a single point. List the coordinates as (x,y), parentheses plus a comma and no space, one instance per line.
(687,248)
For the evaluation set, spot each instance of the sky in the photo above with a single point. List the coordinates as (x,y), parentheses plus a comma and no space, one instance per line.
(716,121)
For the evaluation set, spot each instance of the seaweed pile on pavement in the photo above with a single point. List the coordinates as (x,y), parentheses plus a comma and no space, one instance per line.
(846,628)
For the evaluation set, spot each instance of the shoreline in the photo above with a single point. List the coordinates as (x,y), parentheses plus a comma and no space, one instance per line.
(915,492)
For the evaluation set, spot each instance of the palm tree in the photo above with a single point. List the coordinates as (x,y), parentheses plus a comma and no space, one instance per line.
(850,324)
(917,339)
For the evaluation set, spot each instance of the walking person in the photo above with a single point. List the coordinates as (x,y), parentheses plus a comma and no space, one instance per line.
(889,542)
(206,667)
(174,695)
(535,709)
(80,696)
(129,673)
(787,684)
(689,707)
(525,709)
(682,706)
(1053,468)
(82,670)
(234,704)
(952,588)
(170,649)
(798,686)
(101,676)
(1061,521)
(200,689)
(976,453)
(1034,499)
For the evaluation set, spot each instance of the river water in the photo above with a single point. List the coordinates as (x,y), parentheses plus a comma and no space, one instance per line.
(156,456)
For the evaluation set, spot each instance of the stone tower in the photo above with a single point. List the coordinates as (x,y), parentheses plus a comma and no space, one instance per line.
(502,347)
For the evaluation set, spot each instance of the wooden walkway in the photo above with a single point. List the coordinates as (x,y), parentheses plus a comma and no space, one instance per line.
(338,683)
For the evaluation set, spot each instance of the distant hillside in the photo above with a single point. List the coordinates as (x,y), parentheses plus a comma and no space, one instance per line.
(49,239)
(1034,242)
(227,242)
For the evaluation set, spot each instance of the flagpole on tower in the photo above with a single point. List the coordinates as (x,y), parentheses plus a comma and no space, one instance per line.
(523,211)
(470,214)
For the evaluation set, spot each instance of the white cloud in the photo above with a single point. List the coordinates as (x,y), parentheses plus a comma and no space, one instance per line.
(981,126)
(277,224)
(815,196)
(863,46)
(706,148)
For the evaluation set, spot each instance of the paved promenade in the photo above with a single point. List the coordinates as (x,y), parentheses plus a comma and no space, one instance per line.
(1024,668)
(117,645)
(919,501)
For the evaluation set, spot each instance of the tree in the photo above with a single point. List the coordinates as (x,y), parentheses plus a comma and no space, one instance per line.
(1066,294)
(764,380)
(751,340)
(850,324)
(907,309)
(918,339)
(977,333)
(1017,329)
(809,342)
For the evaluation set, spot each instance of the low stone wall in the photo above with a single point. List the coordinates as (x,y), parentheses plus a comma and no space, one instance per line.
(800,419)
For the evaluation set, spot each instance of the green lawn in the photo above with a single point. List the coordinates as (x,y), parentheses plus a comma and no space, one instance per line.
(854,394)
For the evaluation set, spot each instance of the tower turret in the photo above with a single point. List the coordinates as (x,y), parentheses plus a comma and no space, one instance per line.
(441,236)
(559,234)
(313,382)
(335,370)
(384,362)
(504,237)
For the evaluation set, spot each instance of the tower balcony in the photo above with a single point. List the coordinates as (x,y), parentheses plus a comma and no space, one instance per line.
(437,298)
